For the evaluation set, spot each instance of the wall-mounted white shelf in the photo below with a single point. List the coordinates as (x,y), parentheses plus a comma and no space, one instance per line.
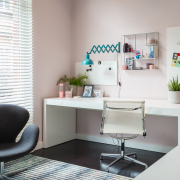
(151,44)
(138,42)
(129,52)
(141,70)
(145,59)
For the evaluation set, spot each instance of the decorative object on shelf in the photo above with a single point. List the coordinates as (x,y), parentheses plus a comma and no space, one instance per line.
(103,49)
(174,90)
(138,54)
(129,49)
(68,94)
(124,67)
(130,63)
(146,55)
(98,93)
(87,90)
(125,47)
(142,56)
(147,65)
(61,91)
(153,51)
(151,41)
(151,66)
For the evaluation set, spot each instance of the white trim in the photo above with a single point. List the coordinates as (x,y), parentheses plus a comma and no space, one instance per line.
(143,146)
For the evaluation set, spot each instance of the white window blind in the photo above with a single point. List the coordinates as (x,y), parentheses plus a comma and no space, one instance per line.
(16,68)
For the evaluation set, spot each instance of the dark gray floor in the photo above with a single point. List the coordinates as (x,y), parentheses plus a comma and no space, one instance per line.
(87,154)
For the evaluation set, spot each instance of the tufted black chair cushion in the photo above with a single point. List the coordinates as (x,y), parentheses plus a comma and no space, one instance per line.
(12,120)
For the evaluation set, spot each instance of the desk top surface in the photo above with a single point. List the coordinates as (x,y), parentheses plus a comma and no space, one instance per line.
(153,103)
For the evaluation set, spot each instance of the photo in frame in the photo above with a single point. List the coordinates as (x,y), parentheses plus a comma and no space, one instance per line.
(87,91)
(130,63)
(98,93)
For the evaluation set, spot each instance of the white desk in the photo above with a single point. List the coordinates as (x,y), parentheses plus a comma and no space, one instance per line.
(59,124)
(166,168)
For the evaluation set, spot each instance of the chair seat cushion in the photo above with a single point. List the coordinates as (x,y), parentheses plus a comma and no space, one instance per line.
(11,151)
(28,141)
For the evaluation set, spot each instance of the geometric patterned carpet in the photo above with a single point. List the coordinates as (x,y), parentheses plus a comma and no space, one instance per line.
(43,168)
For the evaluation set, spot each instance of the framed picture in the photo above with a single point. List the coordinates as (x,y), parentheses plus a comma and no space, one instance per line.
(98,93)
(87,91)
(130,63)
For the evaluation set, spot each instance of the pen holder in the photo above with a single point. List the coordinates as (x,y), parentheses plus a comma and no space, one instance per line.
(68,94)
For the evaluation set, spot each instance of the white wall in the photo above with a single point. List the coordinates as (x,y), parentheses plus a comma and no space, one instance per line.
(173,36)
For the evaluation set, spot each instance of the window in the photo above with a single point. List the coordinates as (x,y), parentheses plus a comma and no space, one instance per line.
(16,70)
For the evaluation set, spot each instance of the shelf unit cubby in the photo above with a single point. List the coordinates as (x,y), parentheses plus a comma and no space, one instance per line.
(139,42)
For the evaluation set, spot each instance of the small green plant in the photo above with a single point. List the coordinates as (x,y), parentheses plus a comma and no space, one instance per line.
(79,80)
(173,84)
(63,79)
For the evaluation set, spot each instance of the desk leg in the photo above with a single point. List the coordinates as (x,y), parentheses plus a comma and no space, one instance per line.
(59,125)
(179,129)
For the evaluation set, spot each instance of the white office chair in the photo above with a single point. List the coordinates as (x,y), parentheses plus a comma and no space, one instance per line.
(123,117)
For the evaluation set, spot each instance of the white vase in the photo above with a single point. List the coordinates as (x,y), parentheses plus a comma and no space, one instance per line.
(174,96)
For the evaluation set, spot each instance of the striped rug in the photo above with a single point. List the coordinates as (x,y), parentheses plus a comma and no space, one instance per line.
(43,168)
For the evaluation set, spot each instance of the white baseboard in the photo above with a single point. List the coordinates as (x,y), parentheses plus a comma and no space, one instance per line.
(38,146)
(149,147)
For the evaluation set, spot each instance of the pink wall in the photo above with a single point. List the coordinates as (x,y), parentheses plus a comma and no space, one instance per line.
(51,49)
(103,22)
(63,30)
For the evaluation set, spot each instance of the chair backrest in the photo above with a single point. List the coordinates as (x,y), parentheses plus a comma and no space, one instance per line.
(12,120)
(123,117)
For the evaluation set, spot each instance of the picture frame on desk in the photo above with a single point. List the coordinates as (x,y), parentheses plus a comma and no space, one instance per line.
(87,91)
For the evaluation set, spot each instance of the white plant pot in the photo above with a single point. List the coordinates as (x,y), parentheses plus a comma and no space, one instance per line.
(174,96)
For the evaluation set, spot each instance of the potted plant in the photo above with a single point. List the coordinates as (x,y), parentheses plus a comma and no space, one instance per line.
(76,83)
(174,90)
(63,79)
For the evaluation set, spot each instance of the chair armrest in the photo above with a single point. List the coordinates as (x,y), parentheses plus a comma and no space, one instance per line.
(30,137)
